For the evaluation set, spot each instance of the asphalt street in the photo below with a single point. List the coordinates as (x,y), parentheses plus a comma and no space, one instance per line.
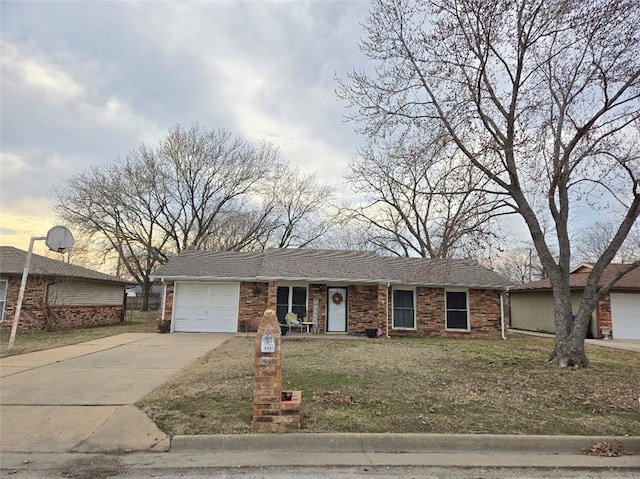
(109,467)
(269,464)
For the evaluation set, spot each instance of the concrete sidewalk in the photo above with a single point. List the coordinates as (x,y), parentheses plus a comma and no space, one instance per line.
(81,397)
(221,453)
(623,344)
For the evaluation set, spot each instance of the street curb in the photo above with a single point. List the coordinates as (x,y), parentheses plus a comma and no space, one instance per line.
(396,443)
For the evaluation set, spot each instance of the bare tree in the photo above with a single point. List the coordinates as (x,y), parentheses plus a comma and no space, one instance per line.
(541,96)
(115,208)
(301,209)
(159,201)
(593,242)
(429,202)
(289,210)
(196,188)
(203,171)
(520,265)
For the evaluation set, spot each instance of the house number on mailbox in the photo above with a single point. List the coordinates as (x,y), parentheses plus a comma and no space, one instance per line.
(268,344)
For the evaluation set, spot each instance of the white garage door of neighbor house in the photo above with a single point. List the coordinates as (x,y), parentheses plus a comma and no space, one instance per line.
(206,307)
(625,315)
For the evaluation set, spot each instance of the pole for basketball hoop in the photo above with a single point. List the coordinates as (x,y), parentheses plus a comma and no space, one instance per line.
(23,284)
(58,239)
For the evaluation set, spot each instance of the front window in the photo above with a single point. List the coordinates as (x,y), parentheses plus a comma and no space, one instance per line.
(291,299)
(457,310)
(403,309)
(3,297)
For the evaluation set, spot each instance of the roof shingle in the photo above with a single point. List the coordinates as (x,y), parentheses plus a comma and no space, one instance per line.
(12,261)
(330,265)
(578,280)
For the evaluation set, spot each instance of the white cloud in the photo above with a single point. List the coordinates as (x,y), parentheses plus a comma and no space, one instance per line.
(13,164)
(70,89)
(89,82)
(40,75)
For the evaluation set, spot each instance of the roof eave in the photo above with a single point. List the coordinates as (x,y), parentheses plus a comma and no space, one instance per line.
(327,280)
(59,275)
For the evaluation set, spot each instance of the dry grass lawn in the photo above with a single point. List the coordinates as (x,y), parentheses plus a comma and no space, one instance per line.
(411,385)
(30,341)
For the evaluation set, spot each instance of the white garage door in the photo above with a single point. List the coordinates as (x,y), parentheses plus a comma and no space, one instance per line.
(206,307)
(625,315)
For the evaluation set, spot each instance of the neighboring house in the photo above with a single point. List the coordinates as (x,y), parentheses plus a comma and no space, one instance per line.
(57,295)
(617,314)
(338,291)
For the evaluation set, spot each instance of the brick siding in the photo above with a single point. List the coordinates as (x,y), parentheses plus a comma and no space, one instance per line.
(318,291)
(484,311)
(34,317)
(366,306)
(254,298)
(603,313)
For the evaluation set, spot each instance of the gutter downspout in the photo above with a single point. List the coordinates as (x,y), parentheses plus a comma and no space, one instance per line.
(502,332)
(164,298)
(387,310)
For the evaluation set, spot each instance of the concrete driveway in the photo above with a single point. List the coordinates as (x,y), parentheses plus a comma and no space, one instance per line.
(81,398)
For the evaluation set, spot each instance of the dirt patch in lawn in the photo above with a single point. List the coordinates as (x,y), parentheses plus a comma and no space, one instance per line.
(411,385)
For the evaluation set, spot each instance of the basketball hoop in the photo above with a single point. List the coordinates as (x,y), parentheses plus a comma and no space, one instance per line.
(59,239)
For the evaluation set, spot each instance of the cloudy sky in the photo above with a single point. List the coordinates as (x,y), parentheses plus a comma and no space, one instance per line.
(85,82)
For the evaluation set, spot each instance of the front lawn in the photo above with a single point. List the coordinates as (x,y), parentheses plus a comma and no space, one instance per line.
(30,341)
(411,385)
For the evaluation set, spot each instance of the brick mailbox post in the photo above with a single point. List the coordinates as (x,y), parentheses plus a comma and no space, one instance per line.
(273,409)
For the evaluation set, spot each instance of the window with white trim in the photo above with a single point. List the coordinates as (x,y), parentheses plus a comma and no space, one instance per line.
(3,297)
(404,311)
(457,310)
(291,299)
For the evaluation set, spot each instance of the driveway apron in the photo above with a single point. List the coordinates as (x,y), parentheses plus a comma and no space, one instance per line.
(81,398)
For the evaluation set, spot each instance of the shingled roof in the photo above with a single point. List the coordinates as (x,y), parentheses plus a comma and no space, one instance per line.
(12,262)
(578,279)
(316,265)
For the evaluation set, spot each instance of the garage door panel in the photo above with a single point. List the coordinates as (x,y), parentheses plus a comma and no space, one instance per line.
(625,315)
(206,307)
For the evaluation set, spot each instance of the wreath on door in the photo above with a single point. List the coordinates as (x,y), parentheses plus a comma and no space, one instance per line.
(337,298)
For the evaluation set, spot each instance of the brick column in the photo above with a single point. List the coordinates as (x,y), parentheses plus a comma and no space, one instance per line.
(267,372)
(381,309)
(272,411)
(272,295)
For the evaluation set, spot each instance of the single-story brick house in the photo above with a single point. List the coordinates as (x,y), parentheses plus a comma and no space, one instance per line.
(617,314)
(57,295)
(339,291)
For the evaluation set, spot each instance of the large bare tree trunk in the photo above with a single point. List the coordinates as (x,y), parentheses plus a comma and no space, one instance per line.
(570,330)
(146,292)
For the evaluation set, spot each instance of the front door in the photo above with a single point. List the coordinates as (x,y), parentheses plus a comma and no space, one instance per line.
(337,310)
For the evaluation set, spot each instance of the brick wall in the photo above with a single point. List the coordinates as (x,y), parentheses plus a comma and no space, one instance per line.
(430,314)
(366,307)
(67,317)
(318,291)
(485,312)
(34,316)
(604,316)
(430,311)
(254,298)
